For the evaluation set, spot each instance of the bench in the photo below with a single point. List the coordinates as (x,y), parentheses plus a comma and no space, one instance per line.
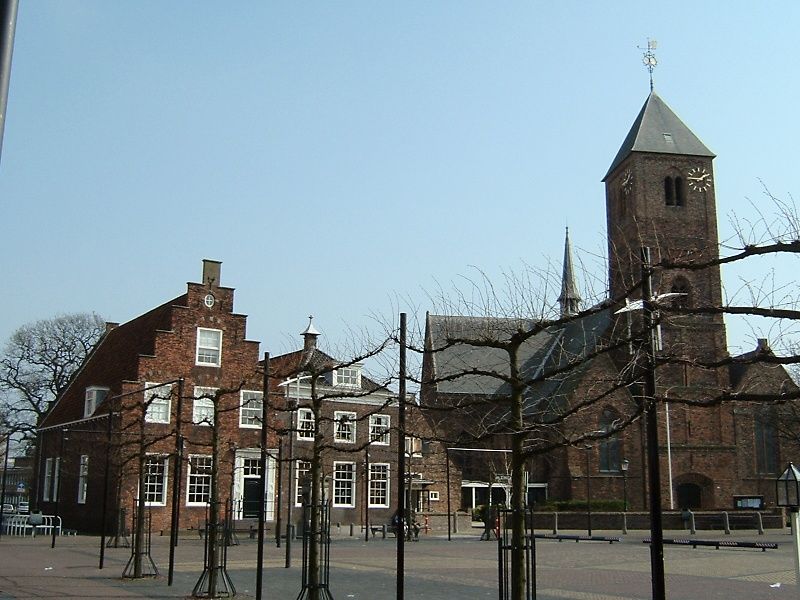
(763,546)
(577,538)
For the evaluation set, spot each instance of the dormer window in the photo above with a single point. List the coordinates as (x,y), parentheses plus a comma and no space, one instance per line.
(347,376)
(94,396)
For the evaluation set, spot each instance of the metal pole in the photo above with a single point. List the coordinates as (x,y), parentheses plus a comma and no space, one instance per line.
(3,493)
(106,477)
(401,463)
(291,493)
(653,467)
(263,486)
(795,521)
(278,523)
(447,471)
(9,26)
(176,483)
(57,469)
(588,495)
(366,494)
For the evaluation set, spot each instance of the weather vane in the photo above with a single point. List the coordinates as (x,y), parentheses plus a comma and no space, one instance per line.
(649,58)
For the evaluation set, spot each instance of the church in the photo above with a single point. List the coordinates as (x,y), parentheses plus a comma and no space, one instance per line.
(578,377)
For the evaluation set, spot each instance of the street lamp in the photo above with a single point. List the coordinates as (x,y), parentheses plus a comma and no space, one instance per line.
(624,465)
(787,494)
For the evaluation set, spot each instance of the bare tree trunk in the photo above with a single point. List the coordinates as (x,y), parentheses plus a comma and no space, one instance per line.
(213,513)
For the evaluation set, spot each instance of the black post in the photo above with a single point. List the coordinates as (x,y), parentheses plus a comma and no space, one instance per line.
(447,470)
(9,27)
(3,492)
(588,494)
(263,485)
(176,483)
(653,467)
(401,463)
(290,495)
(280,494)
(106,477)
(57,468)
(366,494)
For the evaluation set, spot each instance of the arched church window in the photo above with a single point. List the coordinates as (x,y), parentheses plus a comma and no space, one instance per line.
(766,440)
(669,191)
(610,459)
(680,286)
(680,192)
(674,191)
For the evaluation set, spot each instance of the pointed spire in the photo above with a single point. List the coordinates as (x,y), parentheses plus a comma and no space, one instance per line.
(658,130)
(569,299)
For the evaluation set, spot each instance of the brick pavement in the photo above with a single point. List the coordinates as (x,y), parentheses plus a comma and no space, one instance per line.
(436,570)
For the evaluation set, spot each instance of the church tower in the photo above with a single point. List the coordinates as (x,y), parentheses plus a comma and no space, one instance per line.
(660,193)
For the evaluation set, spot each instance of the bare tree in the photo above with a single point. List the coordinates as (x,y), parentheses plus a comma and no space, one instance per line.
(37,363)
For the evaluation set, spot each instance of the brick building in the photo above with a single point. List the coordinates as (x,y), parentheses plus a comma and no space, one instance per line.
(191,352)
(659,193)
(353,417)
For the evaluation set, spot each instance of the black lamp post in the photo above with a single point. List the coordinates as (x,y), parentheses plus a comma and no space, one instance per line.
(624,466)
(787,494)
(588,494)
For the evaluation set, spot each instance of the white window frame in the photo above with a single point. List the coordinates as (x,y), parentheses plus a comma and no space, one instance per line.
(380,484)
(164,462)
(347,376)
(83,478)
(47,479)
(301,469)
(248,414)
(433,496)
(56,478)
(201,480)
(202,361)
(340,418)
(90,401)
(380,437)
(158,395)
(344,485)
(413,446)
(305,424)
(203,406)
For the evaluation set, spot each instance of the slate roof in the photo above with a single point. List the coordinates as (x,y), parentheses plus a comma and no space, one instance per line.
(543,352)
(648,134)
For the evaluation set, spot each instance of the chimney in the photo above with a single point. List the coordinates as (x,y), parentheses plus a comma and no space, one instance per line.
(763,345)
(211,272)
(310,336)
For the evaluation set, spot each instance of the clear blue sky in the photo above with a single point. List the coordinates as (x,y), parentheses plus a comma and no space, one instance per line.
(335,155)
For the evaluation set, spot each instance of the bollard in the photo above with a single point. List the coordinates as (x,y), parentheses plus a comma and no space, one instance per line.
(692,528)
(352,529)
(289,538)
(555,523)
(383,530)
(726,522)
(760,524)
(455,522)
(624,523)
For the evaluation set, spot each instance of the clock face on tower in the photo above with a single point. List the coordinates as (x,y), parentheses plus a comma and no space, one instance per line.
(699,179)
(627,182)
